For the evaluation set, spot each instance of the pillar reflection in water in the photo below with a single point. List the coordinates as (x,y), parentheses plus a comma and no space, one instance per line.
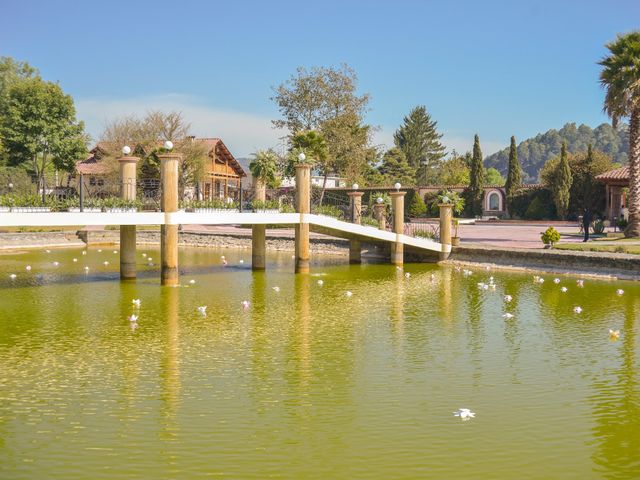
(303,310)
(170,366)
(397,290)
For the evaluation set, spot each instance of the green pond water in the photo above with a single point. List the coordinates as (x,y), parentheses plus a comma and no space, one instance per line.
(308,382)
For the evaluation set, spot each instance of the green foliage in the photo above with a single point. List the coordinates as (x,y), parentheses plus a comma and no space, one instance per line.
(454,171)
(395,168)
(533,204)
(314,147)
(598,227)
(536,210)
(213,204)
(622,223)
(265,205)
(560,184)
(514,174)
(38,127)
(329,211)
(450,197)
(475,191)
(419,140)
(417,207)
(550,236)
(428,234)
(534,152)
(264,167)
(493,177)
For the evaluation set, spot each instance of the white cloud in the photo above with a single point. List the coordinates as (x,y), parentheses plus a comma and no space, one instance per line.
(243,133)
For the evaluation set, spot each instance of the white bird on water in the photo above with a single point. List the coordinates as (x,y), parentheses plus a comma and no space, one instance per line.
(84,252)
(28,268)
(133,318)
(563,289)
(136,302)
(48,251)
(202,310)
(86,269)
(144,254)
(115,251)
(245,304)
(580,283)
(556,280)
(75,260)
(508,298)
(407,275)
(320,282)
(149,258)
(99,250)
(619,292)
(105,262)
(349,294)
(577,309)
(464,414)
(614,334)
(55,264)
(508,315)
(192,281)
(241,261)
(13,276)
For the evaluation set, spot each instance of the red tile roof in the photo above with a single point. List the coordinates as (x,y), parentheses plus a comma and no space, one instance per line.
(90,166)
(619,174)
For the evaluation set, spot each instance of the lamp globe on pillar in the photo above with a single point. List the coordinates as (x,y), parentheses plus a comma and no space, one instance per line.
(168,145)
(302,157)
(379,200)
(126,150)
(355,186)
(397,186)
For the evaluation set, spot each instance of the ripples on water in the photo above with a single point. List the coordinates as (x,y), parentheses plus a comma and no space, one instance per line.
(307,382)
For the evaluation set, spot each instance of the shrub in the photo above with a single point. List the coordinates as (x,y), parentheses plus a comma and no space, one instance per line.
(265,205)
(329,211)
(622,223)
(417,208)
(535,210)
(598,226)
(522,200)
(550,236)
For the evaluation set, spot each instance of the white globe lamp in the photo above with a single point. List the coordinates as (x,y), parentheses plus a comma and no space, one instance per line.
(126,150)
(397,186)
(355,186)
(302,157)
(168,145)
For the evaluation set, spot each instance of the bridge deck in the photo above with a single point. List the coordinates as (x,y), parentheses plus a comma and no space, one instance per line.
(320,223)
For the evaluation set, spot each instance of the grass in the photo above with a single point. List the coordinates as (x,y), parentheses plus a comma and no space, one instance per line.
(620,247)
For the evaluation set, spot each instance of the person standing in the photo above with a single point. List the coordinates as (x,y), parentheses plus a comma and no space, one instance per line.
(586,223)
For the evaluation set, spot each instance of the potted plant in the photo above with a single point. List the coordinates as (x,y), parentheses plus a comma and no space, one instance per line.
(550,237)
(455,239)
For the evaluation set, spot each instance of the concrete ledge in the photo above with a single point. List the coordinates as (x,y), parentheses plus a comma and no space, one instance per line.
(617,265)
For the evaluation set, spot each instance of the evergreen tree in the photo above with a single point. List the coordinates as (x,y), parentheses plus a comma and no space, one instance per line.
(396,168)
(417,207)
(418,139)
(475,191)
(514,174)
(562,184)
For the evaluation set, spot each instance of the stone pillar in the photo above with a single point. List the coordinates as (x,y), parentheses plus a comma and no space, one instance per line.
(258,232)
(446,215)
(303,206)
(355,249)
(169,233)
(128,232)
(397,205)
(379,211)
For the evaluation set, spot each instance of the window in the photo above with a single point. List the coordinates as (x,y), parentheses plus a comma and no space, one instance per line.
(494,201)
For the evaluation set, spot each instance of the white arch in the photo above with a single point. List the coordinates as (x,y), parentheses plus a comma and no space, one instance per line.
(494,193)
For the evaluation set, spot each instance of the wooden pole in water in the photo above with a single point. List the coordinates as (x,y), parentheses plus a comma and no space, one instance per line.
(258,232)
(169,233)
(446,212)
(355,249)
(303,206)
(128,232)
(397,205)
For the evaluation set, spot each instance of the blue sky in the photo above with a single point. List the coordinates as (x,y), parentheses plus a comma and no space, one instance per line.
(496,68)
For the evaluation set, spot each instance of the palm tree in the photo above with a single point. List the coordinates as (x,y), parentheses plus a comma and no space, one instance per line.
(314,146)
(264,167)
(620,77)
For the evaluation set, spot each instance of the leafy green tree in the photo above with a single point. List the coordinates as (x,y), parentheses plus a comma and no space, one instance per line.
(38,127)
(493,177)
(396,168)
(475,191)
(514,175)
(418,138)
(621,78)
(324,99)
(454,171)
(561,184)
(264,167)
(417,207)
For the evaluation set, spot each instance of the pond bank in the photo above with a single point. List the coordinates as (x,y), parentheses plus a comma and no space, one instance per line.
(601,264)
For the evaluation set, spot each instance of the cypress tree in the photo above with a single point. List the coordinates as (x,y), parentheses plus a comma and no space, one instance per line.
(419,140)
(514,175)
(476,176)
(562,184)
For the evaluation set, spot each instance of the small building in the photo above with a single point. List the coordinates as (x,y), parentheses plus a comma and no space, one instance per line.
(616,183)
(494,200)
(222,178)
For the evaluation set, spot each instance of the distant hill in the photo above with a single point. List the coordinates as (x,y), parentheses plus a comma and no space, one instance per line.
(534,152)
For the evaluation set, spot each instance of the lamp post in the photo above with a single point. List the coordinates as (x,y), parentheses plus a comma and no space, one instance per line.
(303,207)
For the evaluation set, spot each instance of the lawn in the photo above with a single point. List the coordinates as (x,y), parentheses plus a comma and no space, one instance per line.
(615,247)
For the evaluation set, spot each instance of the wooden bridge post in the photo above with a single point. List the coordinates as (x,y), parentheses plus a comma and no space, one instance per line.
(303,206)
(446,212)
(355,249)
(169,233)
(127,232)
(258,232)
(397,205)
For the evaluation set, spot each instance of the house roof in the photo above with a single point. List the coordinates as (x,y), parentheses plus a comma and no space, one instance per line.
(92,166)
(619,174)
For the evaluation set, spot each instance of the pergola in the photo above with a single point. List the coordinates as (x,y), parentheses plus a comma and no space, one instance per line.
(616,182)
